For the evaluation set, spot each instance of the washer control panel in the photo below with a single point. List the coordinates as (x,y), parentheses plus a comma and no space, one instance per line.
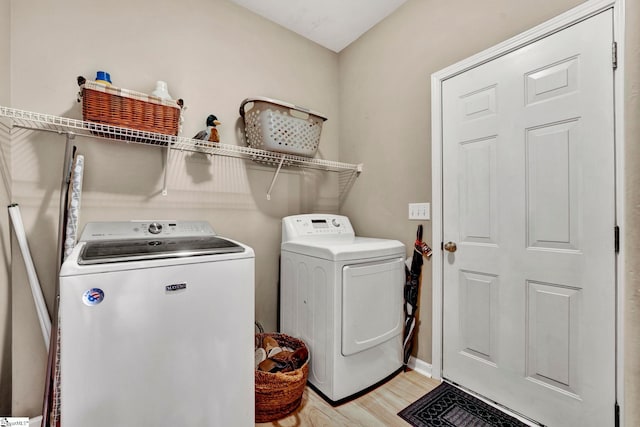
(297,226)
(141,229)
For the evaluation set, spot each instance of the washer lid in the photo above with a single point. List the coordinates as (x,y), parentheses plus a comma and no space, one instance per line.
(106,251)
(356,248)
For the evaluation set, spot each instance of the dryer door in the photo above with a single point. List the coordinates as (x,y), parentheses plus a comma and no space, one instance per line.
(371,304)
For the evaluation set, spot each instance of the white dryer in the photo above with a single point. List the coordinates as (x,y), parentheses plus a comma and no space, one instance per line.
(343,296)
(156,327)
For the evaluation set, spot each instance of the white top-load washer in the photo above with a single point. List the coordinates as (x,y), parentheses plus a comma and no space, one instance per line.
(156,327)
(343,296)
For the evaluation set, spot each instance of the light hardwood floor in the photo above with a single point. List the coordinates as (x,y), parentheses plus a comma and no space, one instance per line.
(376,408)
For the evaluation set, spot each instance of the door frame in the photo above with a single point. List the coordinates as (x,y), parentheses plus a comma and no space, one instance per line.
(571,17)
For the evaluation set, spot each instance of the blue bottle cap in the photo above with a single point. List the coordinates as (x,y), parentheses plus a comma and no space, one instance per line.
(103,76)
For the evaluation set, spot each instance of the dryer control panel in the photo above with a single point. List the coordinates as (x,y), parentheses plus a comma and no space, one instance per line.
(118,230)
(300,226)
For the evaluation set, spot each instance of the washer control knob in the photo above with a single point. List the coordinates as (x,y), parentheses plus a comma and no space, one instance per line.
(335,222)
(155,228)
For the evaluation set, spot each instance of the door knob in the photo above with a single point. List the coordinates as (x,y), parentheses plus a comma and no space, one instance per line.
(450,247)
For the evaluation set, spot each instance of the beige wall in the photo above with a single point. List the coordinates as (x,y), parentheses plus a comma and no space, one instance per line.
(385,108)
(5,33)
(5,198)
(631,229)
(220,54)
(385,123)
(213,54)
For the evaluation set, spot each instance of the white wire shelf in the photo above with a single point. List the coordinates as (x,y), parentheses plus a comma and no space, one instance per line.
(63,125)
(47,122)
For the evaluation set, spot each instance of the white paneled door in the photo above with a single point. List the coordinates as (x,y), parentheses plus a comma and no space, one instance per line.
(529,217)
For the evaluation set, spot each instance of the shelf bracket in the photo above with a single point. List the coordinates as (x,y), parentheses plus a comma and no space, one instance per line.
(273,181)
(166,169)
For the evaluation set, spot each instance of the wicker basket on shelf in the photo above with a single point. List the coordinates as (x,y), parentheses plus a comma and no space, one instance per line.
(110,105)
(278,394)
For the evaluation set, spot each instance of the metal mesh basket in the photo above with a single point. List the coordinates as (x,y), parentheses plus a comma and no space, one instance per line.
(279,126)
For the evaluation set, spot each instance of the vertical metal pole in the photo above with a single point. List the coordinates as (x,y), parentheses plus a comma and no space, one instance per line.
(53,347)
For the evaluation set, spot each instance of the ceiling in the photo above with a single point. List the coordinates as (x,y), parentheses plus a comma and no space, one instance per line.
(333,24)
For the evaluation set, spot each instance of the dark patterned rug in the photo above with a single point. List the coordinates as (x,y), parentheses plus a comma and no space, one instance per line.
(447,405)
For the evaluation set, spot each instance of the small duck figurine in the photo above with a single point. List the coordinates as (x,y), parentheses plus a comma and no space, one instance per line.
(210,133)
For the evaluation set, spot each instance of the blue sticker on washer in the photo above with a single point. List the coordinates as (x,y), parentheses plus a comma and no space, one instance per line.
(93,296)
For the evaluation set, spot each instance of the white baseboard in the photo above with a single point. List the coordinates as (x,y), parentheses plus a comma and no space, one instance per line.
(420,366)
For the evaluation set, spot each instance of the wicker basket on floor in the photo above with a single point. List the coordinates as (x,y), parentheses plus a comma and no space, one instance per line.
(278,394)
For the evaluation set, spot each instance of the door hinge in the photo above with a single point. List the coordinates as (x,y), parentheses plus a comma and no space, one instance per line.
(617,415)
(616,238)
(614,55)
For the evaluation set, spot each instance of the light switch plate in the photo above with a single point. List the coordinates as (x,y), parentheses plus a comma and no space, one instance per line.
(419,211)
